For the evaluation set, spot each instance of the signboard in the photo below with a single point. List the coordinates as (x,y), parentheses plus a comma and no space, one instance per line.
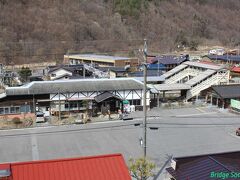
(126,102)
(235,104)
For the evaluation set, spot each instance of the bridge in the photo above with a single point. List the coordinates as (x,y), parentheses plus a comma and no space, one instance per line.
(193,77)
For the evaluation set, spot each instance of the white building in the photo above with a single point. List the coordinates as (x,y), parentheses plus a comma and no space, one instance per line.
(75,95)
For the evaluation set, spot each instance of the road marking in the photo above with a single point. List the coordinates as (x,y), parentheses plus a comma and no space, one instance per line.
(201,110)
(189,115)
(35,153)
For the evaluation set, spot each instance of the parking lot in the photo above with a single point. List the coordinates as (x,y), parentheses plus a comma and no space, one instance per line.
(178,132)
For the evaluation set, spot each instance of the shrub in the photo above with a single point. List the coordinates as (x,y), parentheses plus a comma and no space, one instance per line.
(16,120)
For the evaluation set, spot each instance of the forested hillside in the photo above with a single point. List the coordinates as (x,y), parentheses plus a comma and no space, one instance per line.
(44,30)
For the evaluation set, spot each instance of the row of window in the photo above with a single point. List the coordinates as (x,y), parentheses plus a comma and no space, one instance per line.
(10,110)
(74,105)
(135,102)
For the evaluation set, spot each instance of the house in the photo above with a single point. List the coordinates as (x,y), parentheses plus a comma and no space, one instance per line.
(208,166)
(101,60)
(167,62)
(235,72)
(72,96)
(68,72)
(221,95)
(102,167)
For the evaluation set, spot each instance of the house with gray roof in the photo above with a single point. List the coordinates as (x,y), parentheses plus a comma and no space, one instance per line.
(223,95)
(223,165)
(64,72)
(101,60)
(73,96)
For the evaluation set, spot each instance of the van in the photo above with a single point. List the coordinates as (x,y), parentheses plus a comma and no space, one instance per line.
(40,117)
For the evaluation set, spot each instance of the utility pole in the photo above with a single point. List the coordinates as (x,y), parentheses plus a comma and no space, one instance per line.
(34,105)
(145,100)
(59,106)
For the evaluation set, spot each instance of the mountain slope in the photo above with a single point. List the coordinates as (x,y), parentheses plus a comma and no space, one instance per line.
(44,30)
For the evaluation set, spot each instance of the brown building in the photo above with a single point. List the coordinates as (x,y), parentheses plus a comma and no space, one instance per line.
(101,60)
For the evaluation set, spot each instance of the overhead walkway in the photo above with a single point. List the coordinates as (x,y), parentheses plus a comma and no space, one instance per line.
(199,84)
(183,75)
(186,70)
(174,71)
(200,77)
(193,77)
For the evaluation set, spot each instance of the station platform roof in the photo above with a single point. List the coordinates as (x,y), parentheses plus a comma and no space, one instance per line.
(171,87)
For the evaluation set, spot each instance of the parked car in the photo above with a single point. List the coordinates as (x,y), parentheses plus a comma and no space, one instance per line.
(238,132)
(40,117)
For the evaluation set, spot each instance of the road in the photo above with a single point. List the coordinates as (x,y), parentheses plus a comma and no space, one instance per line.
(181,132)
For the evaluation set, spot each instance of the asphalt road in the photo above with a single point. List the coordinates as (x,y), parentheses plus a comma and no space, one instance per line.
(181,132)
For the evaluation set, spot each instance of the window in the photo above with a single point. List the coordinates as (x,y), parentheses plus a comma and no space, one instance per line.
(127,63)
(66,106)
(73,105)
(135,102)
(6,109)
(117,104)
(17,110)
(1,110)
(12,110)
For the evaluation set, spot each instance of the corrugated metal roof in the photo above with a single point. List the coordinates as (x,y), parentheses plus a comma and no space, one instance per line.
(95,57)
(200,169)
(171,87)
(201,166)
(175,70)
(105,167)
(236,69)
(228,91)
(200,77)
(152,88)
(224,57)
(104,96)
(150,78)
(76,85)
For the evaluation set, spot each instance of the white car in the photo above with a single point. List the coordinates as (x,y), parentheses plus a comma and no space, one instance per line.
(40,117)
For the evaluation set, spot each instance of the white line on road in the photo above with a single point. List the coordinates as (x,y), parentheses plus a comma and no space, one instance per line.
(189,115)
(35,154)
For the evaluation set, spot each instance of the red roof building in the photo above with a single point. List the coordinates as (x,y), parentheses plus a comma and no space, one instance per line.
(105,167)
(236,69)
